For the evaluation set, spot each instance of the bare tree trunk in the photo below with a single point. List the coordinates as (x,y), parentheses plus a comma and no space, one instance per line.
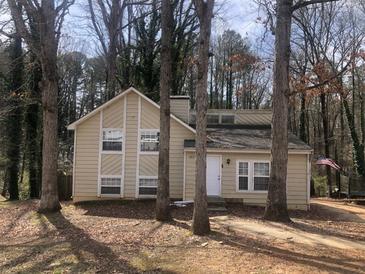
(276,206)
(48,20)
(201,224)
(49,196)
(163,195)
(326,141)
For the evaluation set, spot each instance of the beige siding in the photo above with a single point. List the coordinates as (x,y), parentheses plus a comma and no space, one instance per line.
(87,156)
(254,118)
(113,115)
(149,163)
(297,179)
(180,108)
(131,146)
(111,164)
(247,116)
(150,115)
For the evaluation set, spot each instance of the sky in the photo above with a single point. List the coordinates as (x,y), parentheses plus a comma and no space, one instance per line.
(239,15)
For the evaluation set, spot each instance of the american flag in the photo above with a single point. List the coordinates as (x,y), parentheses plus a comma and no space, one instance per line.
(328,162)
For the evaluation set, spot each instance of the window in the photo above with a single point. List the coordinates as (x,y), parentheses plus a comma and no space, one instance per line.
(242,176)
(261,173)
(253,176)
(112,139)
(110,185)
(212,119)
(148,186)
(150,140)
(227,119)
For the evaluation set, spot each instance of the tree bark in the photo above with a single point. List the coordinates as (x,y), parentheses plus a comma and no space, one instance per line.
(326,141)
(163,195)
(201,224)
(49,84)
(276,206)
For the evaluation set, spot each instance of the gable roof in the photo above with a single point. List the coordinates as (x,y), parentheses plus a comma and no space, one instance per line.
(73,125)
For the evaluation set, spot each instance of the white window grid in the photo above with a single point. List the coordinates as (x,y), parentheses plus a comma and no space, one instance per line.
(251,174)
(149,136)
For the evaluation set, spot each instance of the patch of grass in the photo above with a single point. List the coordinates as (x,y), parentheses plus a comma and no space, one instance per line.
(144,262)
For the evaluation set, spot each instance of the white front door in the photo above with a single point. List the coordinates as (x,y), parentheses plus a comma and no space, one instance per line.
(213,175)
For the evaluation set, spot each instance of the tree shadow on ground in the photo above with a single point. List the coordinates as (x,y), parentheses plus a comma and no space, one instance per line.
(135,209)
(339,264)
(71,248)
(244,243)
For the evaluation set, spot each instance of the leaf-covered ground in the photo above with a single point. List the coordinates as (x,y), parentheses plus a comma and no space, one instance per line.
(123,237)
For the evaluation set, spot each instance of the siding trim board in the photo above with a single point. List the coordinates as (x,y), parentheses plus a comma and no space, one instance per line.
(184,176)
(74,163)
(123,145)
(138,146)
(100,150)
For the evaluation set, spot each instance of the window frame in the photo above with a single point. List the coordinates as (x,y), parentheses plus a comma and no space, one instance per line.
(154,130)
(111,177)
(253,174)
(102,141)
(238,176)
(147,195)
(250,175)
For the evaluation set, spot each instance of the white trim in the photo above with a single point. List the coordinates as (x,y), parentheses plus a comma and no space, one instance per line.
(309,167)
(258,151)
(184,170)
(124,142)
(112,151)
(74,164)
(111,176)
(251,176)
(100,150)
(148,177)
(138,145)
(220,171)
(122,94)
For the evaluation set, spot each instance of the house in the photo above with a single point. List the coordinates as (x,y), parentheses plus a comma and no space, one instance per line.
(116,153)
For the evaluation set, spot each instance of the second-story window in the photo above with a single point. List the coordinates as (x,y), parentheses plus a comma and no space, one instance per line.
(150,140)
(112,140)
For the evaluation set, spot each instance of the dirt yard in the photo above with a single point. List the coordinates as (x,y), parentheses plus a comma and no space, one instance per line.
(122,237)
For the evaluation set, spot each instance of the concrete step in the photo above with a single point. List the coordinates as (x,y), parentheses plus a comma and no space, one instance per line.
(217,209)
(216,203)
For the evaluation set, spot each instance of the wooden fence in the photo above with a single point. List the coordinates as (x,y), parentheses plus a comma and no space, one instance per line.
(64,186)
(352,186)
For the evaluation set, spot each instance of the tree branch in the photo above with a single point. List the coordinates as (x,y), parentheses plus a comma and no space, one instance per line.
(302,4)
